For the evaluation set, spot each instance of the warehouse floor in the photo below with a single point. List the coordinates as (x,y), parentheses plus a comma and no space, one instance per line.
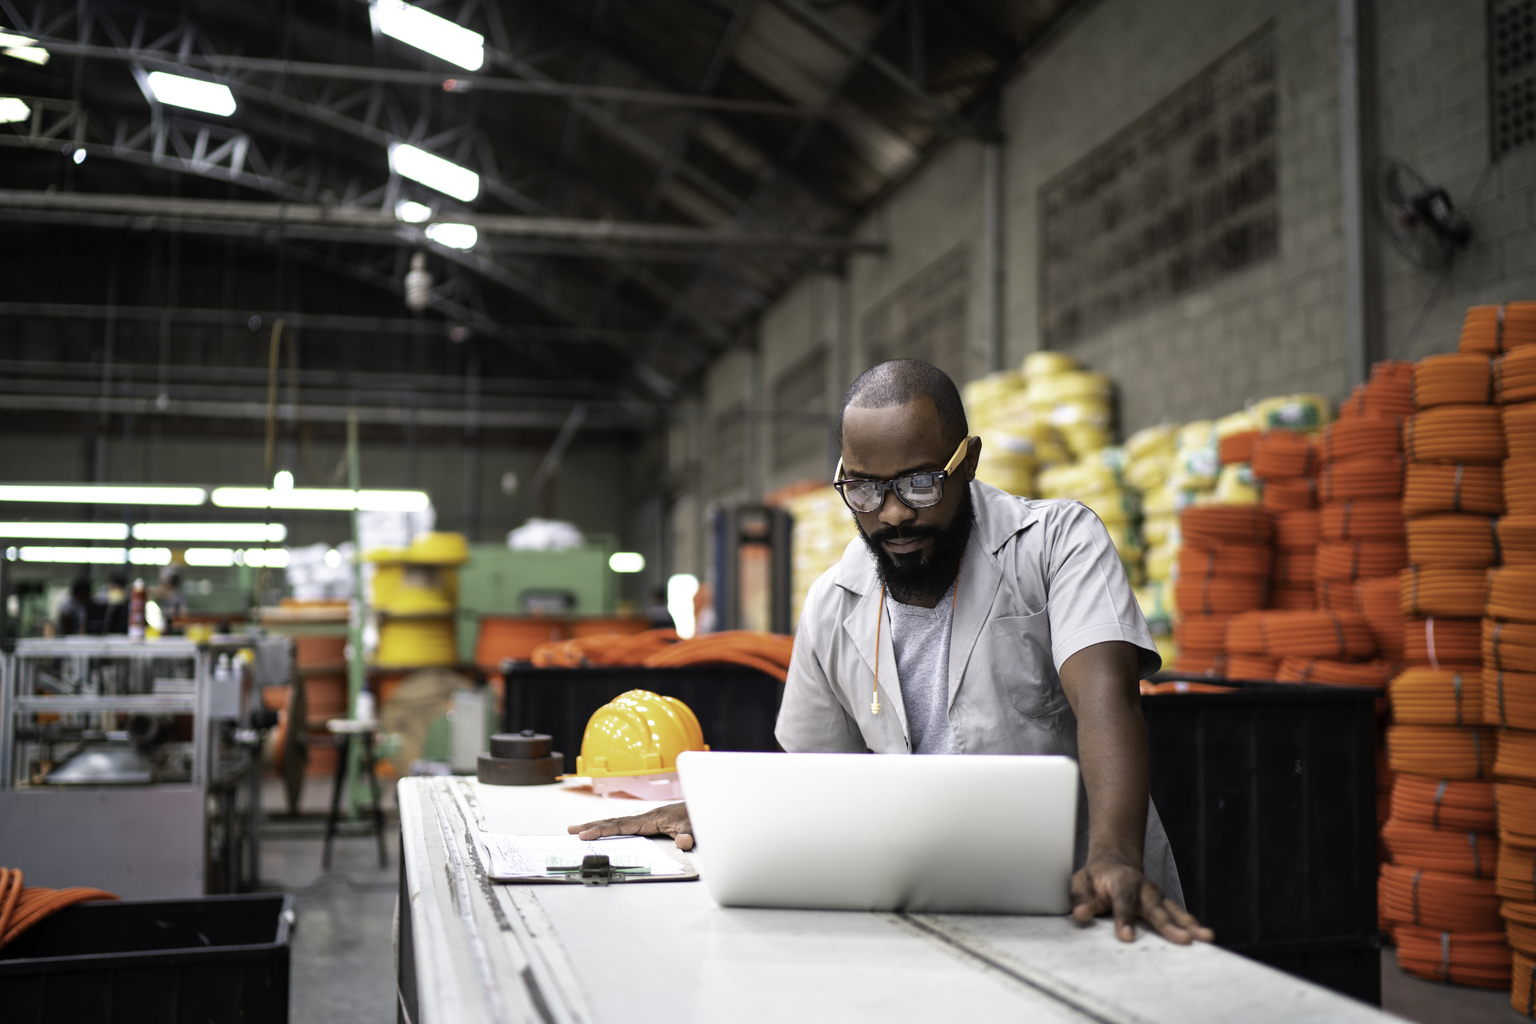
(1430,1003)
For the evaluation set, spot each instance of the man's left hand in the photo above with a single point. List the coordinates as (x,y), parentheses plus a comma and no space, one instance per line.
(1114,887)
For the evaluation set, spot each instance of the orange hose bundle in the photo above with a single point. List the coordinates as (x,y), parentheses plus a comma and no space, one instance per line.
(1314,634)
(1212,524)
(1375,519)
(1247,666)
(1520,925)
(1440,803)
(616,649)
(1437,899)
(1299,529)
(1293,599)
(1150,689)
(22,907)
(766,652)
(1428,696)
(1517,540)
(1235,448)
(1508,646)
(1454,539)
(1374,436)
(1289,493)
(1441,643)
(1201,663)
(1498,327)
(1389,392)
(1431,487)
(1443,751)
(1339,596)
(1419,846)
(1369,674)
(1464,958)
(1282,453)
(1226,559)
(1514,879)
(1453,379)
(1364,477)
(1353,559)
(1201,632)
(1522,985)
(1517,756)
(1220,595)
(1509,699)
(1520,485)
(1517,814)
(1512,593)
(1514,376)
(1520,430)
(1455,433)
(1296,568)
(1457,593)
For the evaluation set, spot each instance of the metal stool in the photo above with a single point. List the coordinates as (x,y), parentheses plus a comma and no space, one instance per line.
(345,729)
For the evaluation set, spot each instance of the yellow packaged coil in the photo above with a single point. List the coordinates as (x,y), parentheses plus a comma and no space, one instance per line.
(1159,560)
(1159,529)
(1046,363)
(1150,442)
(1148,471)
(1304,412)
(1236,423)
(1236,485)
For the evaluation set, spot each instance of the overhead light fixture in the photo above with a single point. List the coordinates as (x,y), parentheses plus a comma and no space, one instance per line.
(626,561)
(237,533)
(433,171)
(96,556)
(263,558)
(454,236)
(79,156)
(430,32)
(191,93)
(13,109)
(406,210)
(64,531)
(322,499)
(103,494)
(282,481)
(22,48)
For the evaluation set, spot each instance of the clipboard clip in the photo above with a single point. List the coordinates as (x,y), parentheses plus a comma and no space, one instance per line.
(596,870)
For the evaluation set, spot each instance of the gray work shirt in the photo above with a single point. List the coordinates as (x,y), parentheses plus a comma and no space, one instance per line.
(1040,581)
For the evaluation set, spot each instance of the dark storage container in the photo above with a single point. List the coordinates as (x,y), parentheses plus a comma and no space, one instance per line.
(736,706)
(1268,795)
(210,960)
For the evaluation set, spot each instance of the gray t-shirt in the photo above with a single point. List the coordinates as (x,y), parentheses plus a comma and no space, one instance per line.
(920,642)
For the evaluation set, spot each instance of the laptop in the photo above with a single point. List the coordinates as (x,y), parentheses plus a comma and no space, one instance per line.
(973,833)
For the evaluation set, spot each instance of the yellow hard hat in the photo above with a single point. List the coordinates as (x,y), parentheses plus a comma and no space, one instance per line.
(638,733)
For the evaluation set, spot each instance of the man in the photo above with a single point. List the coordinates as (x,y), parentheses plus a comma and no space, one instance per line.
(999,625)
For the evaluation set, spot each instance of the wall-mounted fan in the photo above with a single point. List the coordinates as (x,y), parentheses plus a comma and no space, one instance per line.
(1420,218)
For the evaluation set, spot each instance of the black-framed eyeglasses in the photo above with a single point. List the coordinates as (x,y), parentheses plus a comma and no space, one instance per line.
(916,490)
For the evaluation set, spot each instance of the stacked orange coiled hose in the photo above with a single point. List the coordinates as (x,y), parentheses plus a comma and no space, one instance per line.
(602,650)
(1432,487)
(1455,433)
(1237,448)
(1201,632)
(1295,567)
(1516,861)
(1509,699)
(1442,803)
(1330,672)
(1520,925)
(1251,666)
(1517,814)
(1375,436)
(1520,430)
(1437,899)
(1225,559)
(1353,559)
(1220,595)
(1456,593)
(1453,379)
(1389,392)
(1517,755)
(1300,529)
(1211,524)
(1517,539)
(1522,984)
(1376,601)
(1374,519)
(766,652)
(1514,376)
(1428,696)
(1419,846)
(1462,958)
(1508,646)
(1293,599)
(1520,486)
(1201,663)
(1364,477)
(1282,453)
(1443,643)
(1151,689)
(22,907)
(1457,540)
(1443,751)
(1312,634)
(1499,327)
(1289,493)
(1512,593)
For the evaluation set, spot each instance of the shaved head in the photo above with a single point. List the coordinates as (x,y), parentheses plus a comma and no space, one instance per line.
(900,381)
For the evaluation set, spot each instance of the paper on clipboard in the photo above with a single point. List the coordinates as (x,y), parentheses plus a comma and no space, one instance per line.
(526,858)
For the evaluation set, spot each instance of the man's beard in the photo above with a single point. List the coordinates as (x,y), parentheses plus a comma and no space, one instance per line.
(919,575)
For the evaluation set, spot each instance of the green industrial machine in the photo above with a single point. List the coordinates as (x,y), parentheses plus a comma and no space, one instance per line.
(500,581)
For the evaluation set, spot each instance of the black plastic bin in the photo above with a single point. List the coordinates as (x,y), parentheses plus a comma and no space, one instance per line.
(736,706)
(210,960)
(1268,795)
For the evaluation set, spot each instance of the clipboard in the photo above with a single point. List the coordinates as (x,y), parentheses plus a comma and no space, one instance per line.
(566,860)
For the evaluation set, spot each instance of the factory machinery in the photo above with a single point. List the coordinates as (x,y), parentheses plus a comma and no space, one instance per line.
(133,765)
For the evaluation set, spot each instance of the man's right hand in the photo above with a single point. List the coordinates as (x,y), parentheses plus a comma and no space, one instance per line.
(671,820)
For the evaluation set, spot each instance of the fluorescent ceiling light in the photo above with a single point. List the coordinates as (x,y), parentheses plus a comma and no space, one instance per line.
(13,109)
(97,556)
(454,236)
(192,93)
(626,561)
(283,481)
(433,171)
(321,498)
(12,39)
(79,156)
(427,31)
(103,494)
(406,210)
(22,48)
(211,557)
(268,558)
(248,533)
(64,531)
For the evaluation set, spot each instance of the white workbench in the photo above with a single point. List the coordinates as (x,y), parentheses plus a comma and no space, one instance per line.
(474,951)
